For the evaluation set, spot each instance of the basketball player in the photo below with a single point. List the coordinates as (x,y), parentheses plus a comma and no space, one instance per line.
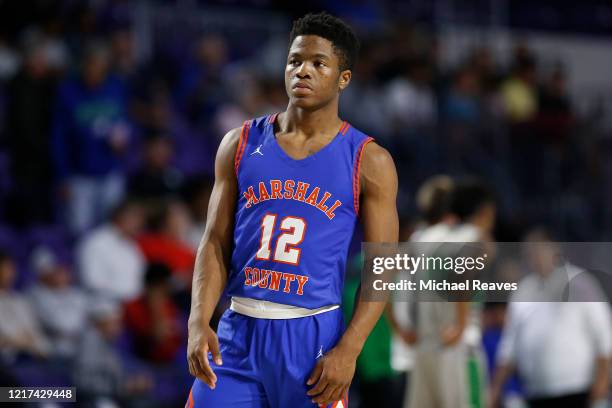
(289,189)
(448,369)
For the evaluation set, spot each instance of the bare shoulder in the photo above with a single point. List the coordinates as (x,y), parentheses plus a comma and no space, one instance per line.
(230,141)
(377,167)
(226,153)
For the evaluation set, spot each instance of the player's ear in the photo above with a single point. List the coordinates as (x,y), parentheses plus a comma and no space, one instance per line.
(345,79)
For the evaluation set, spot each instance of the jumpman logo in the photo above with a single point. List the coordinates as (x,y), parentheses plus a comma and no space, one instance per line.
(258,150)
(320,353)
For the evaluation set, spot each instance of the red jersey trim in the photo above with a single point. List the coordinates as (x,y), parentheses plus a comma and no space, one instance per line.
(356,174)
(244,136)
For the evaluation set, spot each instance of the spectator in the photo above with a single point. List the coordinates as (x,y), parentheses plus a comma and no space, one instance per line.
(154,319)
(156,178)
(20,332)
(519,93)
(99,373)
(167,243)
(109,259)
(60,307)
(363,102)
(193,152)
(201,88)
(123,52)
(555,116)
(539,331)
(410,98)
(462,105)
(90,134)
(29,117)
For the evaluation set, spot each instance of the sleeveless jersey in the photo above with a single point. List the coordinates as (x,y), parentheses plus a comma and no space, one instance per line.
(294,218)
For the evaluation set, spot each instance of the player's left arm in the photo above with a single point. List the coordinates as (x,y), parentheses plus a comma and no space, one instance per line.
(378,210)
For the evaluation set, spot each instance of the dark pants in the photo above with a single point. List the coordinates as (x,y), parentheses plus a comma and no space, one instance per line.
(580,400)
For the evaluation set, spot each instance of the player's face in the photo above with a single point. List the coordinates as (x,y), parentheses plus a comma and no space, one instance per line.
(312,75)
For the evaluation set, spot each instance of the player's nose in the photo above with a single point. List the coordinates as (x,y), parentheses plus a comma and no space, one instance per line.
(303,71)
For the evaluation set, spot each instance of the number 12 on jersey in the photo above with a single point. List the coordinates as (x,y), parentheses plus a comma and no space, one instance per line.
(293,229)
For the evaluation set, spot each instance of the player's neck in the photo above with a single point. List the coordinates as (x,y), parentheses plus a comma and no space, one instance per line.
(310,123)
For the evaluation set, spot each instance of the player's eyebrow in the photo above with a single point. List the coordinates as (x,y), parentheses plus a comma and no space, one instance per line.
(318,55)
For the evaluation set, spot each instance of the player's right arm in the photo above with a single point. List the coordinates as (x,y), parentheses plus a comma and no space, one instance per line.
(212,262)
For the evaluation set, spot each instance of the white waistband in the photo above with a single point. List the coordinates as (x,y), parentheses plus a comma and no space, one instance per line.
(263,309)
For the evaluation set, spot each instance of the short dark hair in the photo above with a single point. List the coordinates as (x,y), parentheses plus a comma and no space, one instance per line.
(340,34)
(468,197)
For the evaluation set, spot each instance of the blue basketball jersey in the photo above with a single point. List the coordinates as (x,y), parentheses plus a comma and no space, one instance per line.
(294,218)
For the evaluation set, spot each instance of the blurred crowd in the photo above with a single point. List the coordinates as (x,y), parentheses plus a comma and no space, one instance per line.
(107,145)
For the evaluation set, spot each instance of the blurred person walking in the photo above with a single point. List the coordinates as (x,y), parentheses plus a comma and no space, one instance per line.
(561,350)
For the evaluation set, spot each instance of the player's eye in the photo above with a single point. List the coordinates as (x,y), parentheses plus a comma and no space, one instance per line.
(294,63)
(319,64)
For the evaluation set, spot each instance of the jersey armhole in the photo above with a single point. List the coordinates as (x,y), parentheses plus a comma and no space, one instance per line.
(357,173)
(244,136)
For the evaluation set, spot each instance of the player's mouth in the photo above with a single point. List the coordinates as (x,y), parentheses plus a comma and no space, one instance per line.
(301,88)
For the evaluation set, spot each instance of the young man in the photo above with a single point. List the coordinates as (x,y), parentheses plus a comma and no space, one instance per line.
(288,191)
(448,359)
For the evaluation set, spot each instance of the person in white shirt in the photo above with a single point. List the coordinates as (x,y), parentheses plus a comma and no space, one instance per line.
(561,350)
(109,259)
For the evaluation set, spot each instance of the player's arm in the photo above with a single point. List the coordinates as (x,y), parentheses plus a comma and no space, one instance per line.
(212,260)
(334,372)
(408,335)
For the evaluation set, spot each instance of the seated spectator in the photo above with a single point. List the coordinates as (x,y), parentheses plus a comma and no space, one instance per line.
(109,260)
(20,332)
(156,178)
(153,318)
(99,373)
(60,307)
(167,243)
